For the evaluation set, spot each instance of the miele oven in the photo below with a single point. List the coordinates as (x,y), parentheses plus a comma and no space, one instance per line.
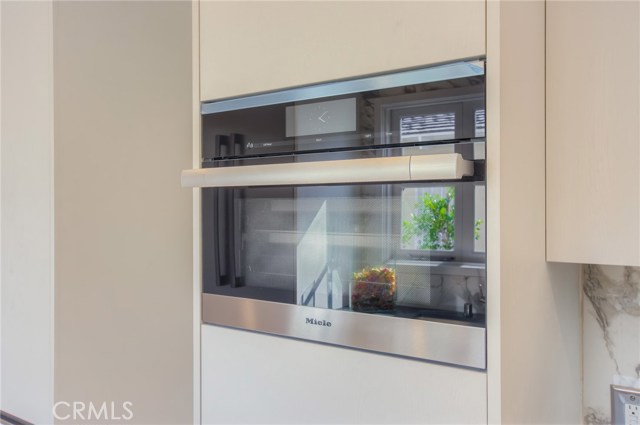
(351,213)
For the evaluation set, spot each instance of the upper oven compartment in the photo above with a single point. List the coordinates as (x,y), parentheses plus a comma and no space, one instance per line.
(417,108)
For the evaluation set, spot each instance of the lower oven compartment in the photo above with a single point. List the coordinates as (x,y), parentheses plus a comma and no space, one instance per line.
(358,265)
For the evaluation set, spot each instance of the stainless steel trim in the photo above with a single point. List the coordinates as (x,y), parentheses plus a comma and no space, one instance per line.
(419,76)
(423,339)
(367,170)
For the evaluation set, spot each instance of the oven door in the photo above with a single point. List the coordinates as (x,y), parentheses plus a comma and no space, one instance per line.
(377,253)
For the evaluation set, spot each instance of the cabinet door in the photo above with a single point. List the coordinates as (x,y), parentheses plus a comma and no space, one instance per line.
(593,132)
(249,377)
(248,47)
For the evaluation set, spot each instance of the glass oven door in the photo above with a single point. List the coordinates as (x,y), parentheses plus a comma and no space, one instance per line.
(411,249)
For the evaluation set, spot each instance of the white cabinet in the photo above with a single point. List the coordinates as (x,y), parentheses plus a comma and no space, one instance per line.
(248,47)
(253,378)
(593,132)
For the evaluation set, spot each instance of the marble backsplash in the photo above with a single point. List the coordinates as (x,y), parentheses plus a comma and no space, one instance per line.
(611,336)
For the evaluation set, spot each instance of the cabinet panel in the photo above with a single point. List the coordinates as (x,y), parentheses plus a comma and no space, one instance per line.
(593,133)
(248,47)
(252,378)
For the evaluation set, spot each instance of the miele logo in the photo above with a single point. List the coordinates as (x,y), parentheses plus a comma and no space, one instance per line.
(318,322)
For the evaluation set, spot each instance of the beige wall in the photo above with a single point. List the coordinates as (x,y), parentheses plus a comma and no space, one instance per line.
(122,222)
(26,210)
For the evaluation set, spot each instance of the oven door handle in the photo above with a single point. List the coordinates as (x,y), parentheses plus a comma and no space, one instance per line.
(233,220)
(227,230)
(450,166)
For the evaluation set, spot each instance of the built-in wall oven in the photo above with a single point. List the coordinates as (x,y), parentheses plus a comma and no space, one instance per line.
(351,213)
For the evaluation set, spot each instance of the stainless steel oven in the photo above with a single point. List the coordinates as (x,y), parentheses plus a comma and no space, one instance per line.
(351,213)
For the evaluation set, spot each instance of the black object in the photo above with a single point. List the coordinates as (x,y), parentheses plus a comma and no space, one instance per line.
(468,310)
